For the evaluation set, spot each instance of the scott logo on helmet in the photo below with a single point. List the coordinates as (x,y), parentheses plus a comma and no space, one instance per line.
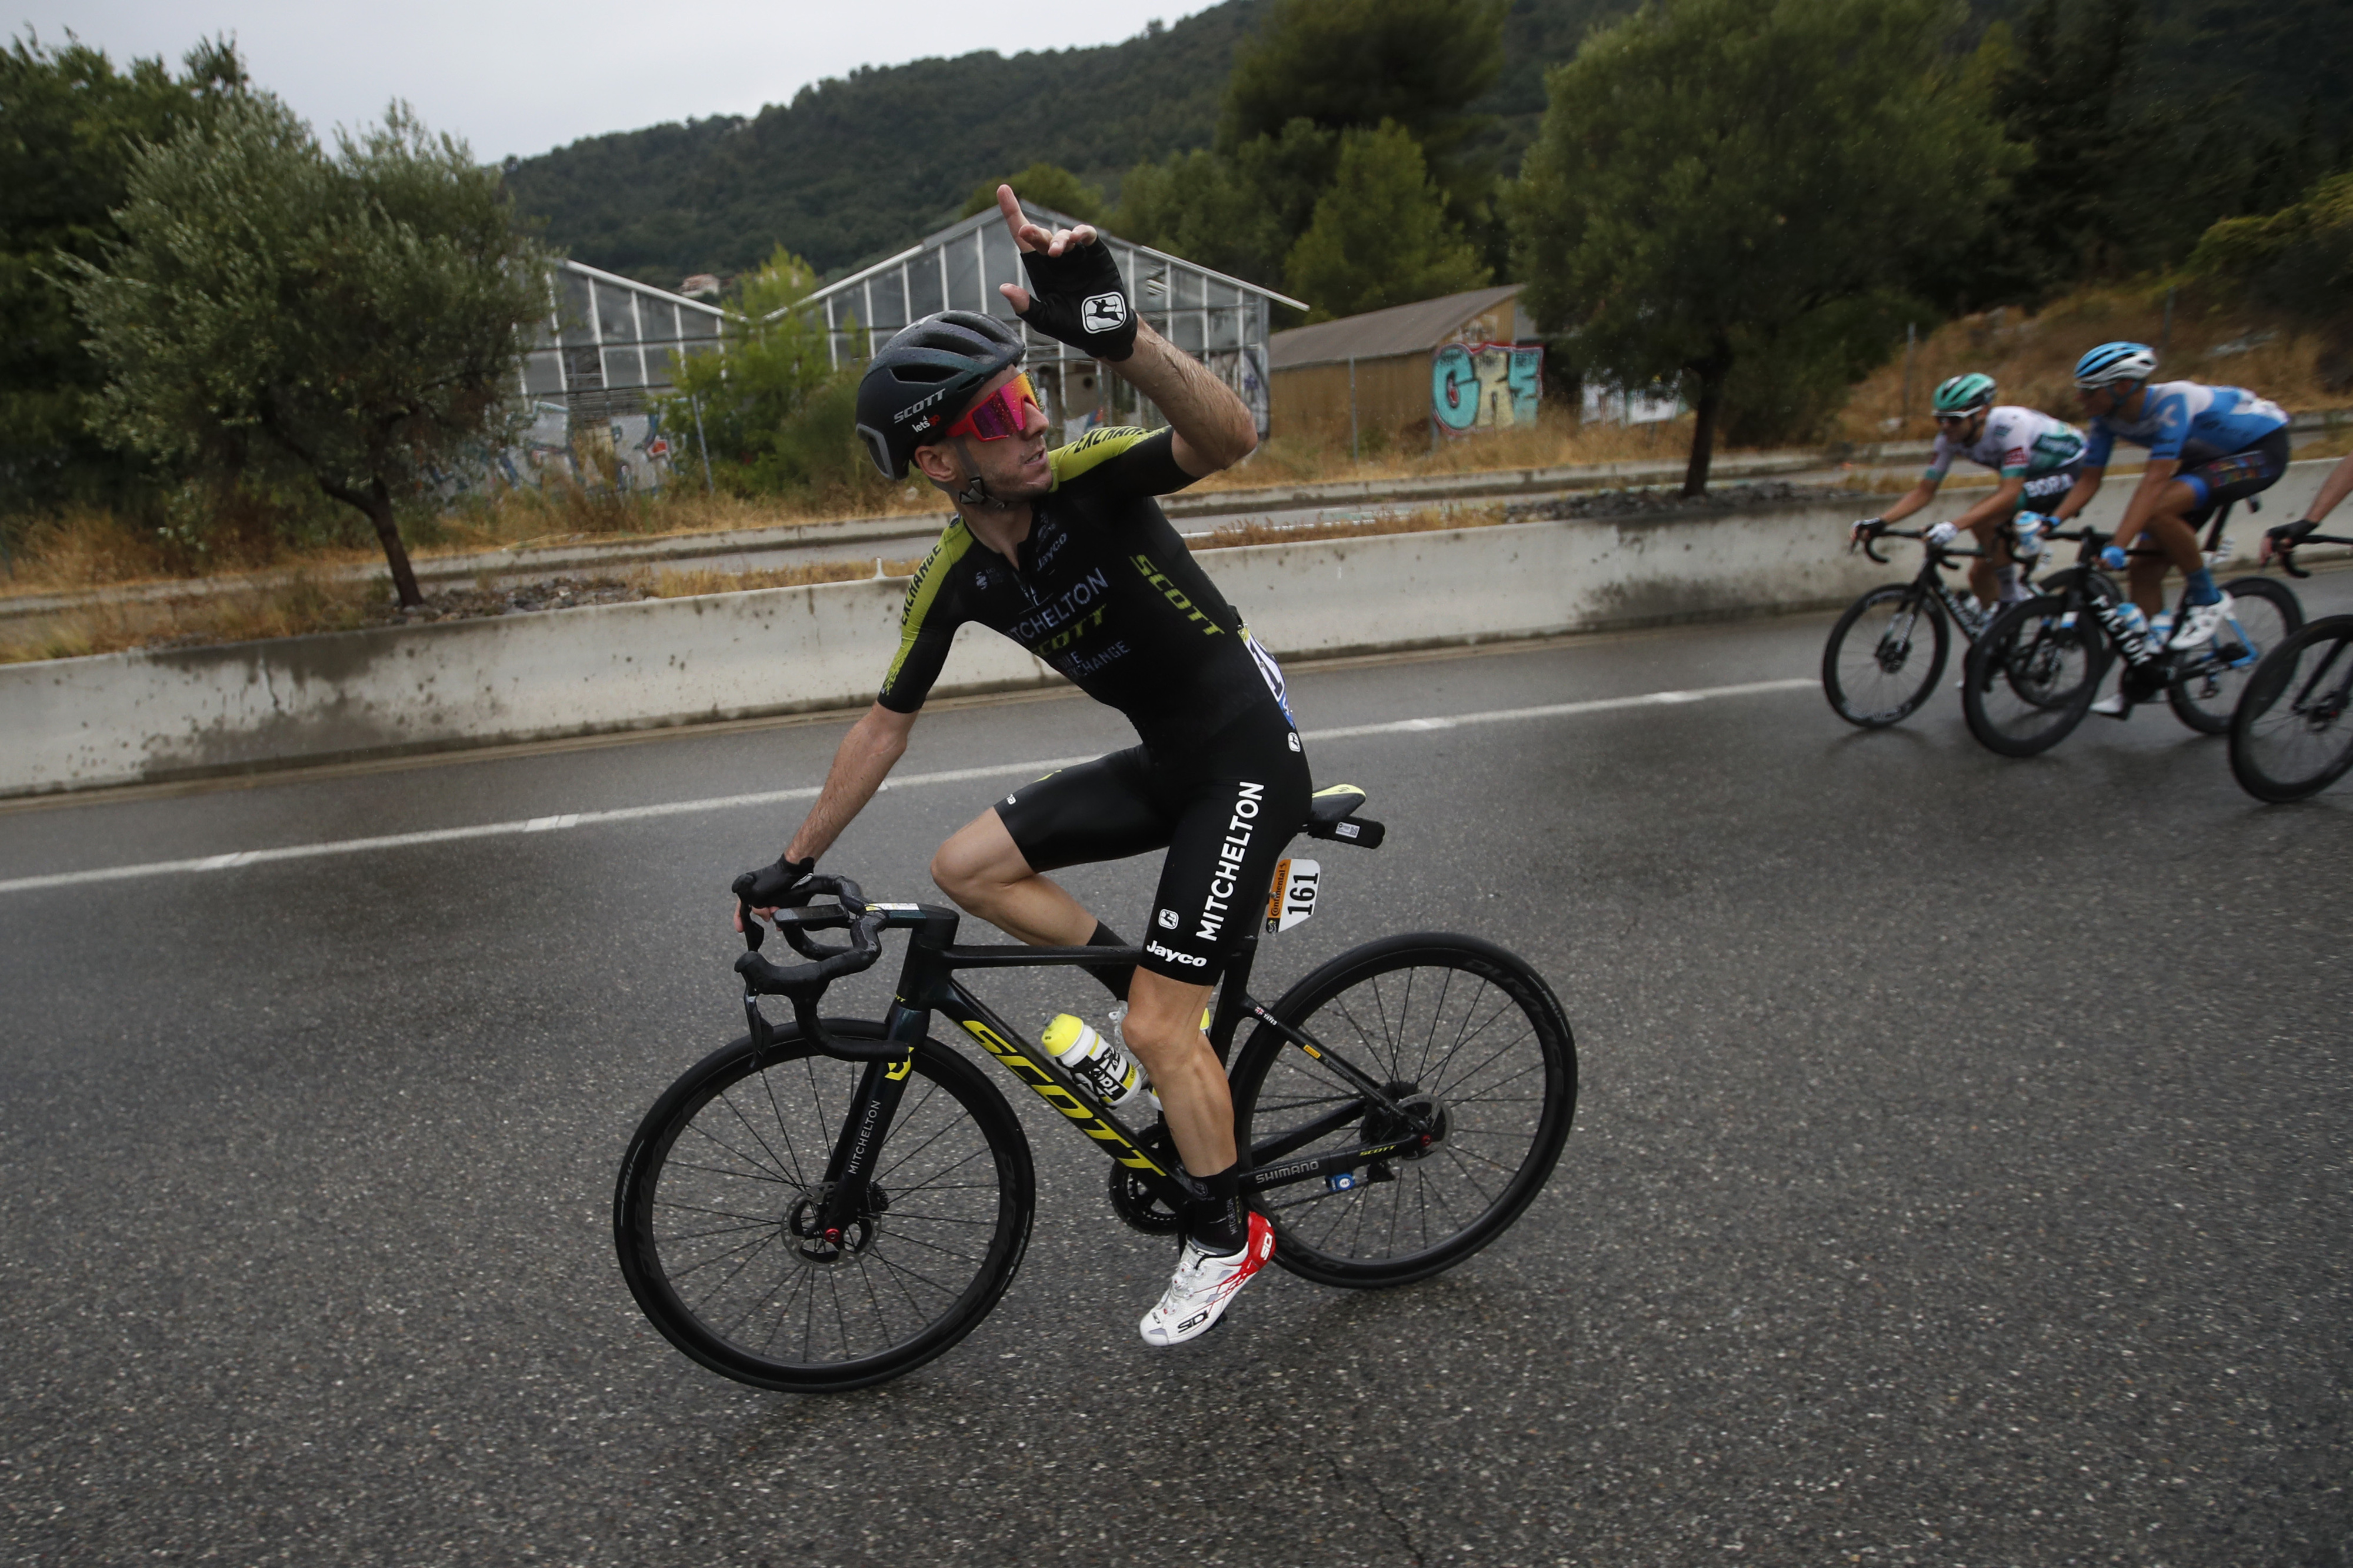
(1104,313)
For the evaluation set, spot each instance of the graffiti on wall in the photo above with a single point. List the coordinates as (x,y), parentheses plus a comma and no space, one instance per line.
(1485,386)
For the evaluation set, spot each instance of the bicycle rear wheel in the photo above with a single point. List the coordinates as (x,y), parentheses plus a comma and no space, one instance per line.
(2206,692)
(712,1215)
(1450,1024)
(1874,670)
(2293,735)
(2032,678)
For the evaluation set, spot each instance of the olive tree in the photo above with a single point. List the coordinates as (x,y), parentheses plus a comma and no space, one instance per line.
(354,319)
(1713,176)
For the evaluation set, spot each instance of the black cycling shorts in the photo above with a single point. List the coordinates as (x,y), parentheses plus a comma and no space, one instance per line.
(2044,491)
(1225,811)
(2236,475)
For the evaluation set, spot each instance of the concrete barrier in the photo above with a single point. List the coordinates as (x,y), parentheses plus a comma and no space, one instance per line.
(137,717)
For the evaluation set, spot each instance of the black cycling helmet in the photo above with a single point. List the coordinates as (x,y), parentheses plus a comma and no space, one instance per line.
(922,379)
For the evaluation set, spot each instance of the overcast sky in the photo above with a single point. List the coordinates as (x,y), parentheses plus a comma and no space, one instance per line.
(522,78)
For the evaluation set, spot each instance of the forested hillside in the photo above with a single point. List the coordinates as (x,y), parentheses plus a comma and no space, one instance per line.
(2245,101)
(858,168)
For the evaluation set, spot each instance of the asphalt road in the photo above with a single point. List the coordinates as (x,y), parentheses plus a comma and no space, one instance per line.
(1961,1175)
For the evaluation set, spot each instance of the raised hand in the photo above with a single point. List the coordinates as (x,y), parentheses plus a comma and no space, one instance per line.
(1075,295)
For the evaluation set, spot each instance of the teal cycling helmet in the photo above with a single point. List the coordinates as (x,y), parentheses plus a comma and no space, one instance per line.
(2115,361)
(1963,395)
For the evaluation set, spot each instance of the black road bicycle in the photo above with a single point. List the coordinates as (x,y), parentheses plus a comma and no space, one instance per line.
(826,1203)
(2032,676)
(2292,733)
(1888,651)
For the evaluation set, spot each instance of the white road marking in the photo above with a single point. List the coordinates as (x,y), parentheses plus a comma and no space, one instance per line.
(809,791)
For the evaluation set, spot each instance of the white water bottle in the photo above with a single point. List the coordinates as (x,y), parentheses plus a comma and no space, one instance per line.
(2026,530)
(1098,1063)
(2132,625)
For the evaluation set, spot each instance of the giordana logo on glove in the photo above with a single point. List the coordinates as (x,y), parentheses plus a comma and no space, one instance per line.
(1104,313)
(1077,298)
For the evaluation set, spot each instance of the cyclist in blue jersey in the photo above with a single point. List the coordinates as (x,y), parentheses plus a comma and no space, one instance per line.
(2036,457)
(1066,551)
(2207,445)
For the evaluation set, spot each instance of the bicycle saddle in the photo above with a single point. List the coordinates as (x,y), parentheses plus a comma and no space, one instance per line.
(1331,814)
(1326,806)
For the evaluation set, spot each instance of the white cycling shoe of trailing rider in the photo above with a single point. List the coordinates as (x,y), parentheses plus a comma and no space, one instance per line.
(1205,1285)
(2112,706)
(2200,623)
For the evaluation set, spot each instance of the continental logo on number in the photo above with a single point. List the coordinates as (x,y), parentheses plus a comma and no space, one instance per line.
(1060,1098)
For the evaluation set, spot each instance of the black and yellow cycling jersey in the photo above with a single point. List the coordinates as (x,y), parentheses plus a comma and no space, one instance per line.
(1103,590)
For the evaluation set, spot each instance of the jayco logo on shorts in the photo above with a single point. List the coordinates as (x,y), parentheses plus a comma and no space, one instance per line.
(1167,919)
(1104,313)
(1173,956)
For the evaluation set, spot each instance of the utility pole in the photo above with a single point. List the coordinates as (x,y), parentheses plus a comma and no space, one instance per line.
(700,445)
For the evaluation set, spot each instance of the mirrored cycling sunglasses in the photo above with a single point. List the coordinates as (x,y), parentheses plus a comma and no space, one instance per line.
(1003,413)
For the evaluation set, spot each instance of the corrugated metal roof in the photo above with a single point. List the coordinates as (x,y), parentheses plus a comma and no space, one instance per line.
(993,222)
(1376,334)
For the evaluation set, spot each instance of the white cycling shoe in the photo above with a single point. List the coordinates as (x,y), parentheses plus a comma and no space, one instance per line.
(2200,623)
(1205,1284)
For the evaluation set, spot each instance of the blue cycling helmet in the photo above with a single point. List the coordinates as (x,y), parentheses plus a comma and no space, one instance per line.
(2115,361)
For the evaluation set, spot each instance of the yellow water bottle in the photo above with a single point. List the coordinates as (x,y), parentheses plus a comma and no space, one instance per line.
(1098,1063)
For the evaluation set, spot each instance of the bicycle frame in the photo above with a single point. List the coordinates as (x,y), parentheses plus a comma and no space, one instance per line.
(1930,584)
(2143,659)
(928,985)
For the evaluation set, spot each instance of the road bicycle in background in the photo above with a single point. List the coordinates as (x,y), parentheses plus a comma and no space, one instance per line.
(826,1203)
(2035,672)
(1888,651)
(2292,735)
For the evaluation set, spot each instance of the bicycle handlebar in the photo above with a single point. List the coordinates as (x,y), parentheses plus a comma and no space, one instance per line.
(803,984)
(1943,552)
(2285,543)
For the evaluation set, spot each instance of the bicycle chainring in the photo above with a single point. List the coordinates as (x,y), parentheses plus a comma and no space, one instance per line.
(1138,1208)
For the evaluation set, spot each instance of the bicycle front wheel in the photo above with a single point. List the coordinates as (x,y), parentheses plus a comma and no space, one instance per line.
(2293,736)
(2032,678)
(715,1209)
(1452,1029)
(1884,655)
(2264,614)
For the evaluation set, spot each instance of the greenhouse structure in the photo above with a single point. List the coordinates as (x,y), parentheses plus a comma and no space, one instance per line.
(605,349)
(1219,320)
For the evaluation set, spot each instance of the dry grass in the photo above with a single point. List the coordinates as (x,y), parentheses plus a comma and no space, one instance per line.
(1427,519)
(672,583)
(2033,357)
(1554,440)
(300,604)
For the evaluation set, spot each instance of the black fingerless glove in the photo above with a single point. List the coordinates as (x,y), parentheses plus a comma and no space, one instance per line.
(1076,297)
(2287,535)
(772,887)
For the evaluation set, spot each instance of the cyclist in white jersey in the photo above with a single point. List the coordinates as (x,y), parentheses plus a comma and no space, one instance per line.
(2035,456)
(2207,445)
